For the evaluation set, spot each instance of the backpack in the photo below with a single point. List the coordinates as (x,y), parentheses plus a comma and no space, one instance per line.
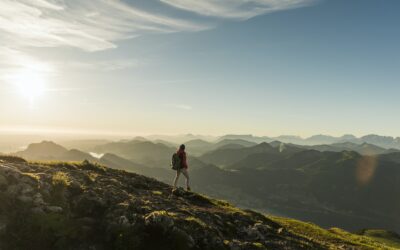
(176,162)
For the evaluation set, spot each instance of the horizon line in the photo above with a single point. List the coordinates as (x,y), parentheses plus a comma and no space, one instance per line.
(107,133)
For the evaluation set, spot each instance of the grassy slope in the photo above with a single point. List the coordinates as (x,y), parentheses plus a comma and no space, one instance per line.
(384,237)
(335,237)
(200,214)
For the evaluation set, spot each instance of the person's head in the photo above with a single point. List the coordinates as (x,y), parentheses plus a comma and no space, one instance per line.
(182,147)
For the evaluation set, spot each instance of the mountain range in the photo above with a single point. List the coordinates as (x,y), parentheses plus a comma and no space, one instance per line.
(12,143)
(386,142)
(331,185)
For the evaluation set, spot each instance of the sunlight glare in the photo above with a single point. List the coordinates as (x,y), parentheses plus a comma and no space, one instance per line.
(30,84)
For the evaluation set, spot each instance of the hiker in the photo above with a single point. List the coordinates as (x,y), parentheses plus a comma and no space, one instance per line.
(182,167)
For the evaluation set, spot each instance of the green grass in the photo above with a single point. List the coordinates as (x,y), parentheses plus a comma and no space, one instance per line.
(11,158)
(383,236)
(61,178)
(72,165)
(196,220)
(333,237)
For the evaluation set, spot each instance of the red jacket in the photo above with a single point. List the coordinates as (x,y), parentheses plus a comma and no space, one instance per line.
(182,156)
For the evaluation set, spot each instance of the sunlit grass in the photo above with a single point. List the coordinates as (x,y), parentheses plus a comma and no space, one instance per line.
(332,237)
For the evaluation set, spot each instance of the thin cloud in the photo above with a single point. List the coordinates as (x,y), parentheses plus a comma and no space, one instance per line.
(104,65)
(98,25)
(13,62)
(89,25)
(236,9)
(65,89)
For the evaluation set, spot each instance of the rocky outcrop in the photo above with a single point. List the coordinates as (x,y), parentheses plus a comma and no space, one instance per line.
(87,206)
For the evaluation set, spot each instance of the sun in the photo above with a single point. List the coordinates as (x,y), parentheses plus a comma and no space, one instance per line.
(30,84)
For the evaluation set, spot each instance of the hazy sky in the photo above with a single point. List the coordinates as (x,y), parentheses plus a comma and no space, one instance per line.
(265,67)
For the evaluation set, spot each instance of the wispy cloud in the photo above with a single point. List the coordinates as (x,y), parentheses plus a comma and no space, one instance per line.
(236,9)
(13,62)
(98,25)
(103,65)
(89,25)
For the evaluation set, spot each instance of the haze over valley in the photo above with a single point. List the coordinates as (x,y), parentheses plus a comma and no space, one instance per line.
(350,183)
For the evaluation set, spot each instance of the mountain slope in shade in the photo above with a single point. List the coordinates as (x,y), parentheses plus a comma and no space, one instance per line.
(364,148)
(330,188)
(297,182)
(143,152)
(83,145)
(49,151)
(250,138)
(88,206)
(44,148)
(225,142)
(225,157)
(199,147)
(382,141)
(120,163)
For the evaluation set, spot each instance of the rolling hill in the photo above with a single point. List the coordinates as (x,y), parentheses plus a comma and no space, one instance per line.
(51,151)
(364,148)
(225,157)
(143,152)
(88,206)
(199,147)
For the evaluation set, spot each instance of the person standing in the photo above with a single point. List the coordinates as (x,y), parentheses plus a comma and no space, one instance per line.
(183,168)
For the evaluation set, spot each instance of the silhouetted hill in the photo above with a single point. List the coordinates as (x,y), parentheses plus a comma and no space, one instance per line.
(345,189)
(364,148)
(394,157)
(44,148)
(382,141)
(386,142)
(83,145)
(142,152)
(117,162)
(199,147)
(321,139)
(179,139)
(49,151)
(250,138)
(88,206)
(327,139)
(225,142)
(166,143)
(225,157)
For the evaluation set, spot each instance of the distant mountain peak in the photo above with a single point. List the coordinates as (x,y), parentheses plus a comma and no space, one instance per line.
(46,145)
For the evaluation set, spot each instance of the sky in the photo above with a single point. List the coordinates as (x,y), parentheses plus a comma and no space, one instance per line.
(265,67)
